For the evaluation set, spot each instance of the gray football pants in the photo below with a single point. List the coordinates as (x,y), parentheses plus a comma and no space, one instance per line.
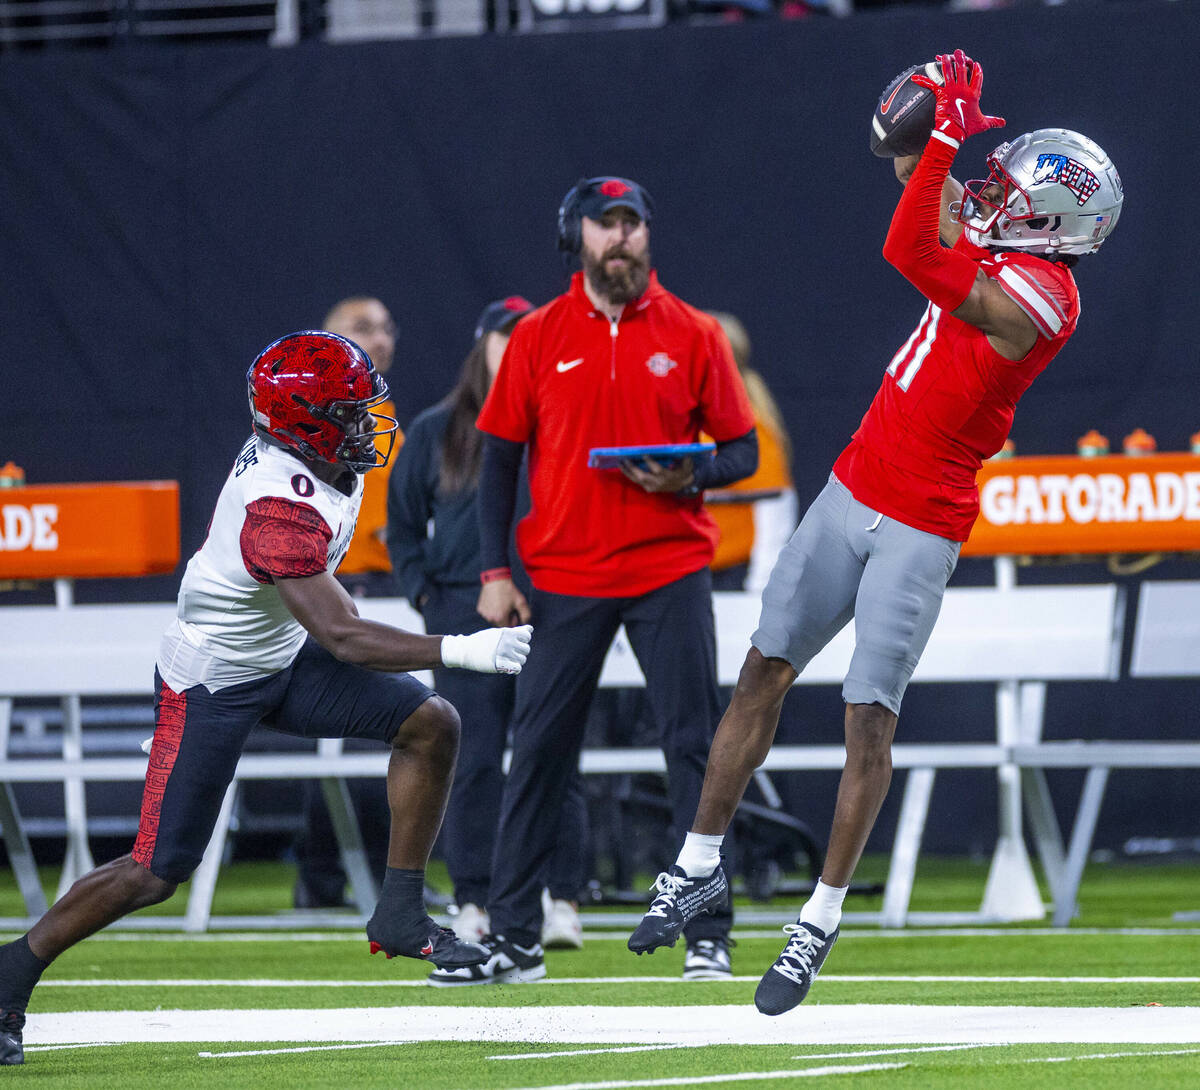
(846,560)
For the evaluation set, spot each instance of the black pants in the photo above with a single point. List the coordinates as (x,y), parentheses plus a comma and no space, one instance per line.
(485,705)
(671,633)
(198,738)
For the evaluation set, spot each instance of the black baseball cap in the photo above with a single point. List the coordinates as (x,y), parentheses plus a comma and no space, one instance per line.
(598,195)
(501,313)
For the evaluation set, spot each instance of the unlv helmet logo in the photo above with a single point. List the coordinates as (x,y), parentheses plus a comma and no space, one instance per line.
(1052,167)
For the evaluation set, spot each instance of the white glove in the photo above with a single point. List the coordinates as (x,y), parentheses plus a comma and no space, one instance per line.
(492,651)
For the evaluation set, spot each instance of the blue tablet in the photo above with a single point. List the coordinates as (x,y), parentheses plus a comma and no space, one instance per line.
(662,453)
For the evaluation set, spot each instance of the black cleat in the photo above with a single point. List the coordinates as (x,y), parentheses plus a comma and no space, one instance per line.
(442,947)
(680,899)
(12,1050)
(786,983)
(507,963)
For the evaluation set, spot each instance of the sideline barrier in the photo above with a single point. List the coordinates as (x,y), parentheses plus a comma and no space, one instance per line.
(67,531)
(1020,638)
(76,531)
(1064,504)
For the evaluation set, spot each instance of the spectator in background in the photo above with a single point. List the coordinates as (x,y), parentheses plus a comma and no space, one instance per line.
(755,516)
(433,538)
(366,571)
(616,360)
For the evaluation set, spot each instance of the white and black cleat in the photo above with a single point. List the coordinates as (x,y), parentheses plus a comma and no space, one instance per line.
(506,963)
(680,899)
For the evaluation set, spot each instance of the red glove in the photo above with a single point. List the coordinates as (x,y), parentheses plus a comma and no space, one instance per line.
(957,114)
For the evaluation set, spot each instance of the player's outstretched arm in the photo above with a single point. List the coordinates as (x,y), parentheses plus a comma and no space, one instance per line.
(949,229)
(329,614)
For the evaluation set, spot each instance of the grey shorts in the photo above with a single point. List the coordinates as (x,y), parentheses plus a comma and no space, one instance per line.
(846,560)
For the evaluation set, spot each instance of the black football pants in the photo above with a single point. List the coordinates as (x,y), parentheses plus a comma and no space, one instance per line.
(485,704)
(672,634)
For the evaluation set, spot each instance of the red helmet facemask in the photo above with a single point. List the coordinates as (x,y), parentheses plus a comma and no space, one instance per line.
(312,393)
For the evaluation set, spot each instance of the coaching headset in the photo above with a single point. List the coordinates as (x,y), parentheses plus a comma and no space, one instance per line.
(593,197)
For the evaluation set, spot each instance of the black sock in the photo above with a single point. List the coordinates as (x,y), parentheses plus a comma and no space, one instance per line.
(400,923)
(20,970)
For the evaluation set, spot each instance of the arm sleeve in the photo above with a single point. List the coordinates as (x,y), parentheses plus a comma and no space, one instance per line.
(733,460)
(943,276)
(409,507)
(281,539)
(498,475)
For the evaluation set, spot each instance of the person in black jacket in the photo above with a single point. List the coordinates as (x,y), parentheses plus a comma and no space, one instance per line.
(433,539)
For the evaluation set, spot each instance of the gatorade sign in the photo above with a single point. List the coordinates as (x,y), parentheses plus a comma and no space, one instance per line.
(89,530)
(1067,504)
(29,527)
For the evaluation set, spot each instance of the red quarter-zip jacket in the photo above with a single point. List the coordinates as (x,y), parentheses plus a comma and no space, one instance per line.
(573,379)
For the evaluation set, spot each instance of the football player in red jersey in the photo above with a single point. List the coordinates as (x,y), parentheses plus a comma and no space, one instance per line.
(881,540)
(264,634)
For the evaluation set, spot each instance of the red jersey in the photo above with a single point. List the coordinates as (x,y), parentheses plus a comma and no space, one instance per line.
(948,398)
(573,379)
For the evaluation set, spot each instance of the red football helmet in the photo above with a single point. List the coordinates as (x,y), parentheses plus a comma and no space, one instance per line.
(312,393)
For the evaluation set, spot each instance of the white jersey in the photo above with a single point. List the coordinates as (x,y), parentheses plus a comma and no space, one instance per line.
(274,518)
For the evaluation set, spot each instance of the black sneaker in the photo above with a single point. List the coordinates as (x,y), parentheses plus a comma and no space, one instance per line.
(12,1051)
(507,963)
(443,947)
(786,983)
(708,959)
(679,900)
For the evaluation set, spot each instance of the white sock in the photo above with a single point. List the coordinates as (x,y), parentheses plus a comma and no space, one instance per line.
(700,854)
(824,908)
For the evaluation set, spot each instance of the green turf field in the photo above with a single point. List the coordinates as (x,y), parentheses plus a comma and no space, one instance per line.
(1112,1001)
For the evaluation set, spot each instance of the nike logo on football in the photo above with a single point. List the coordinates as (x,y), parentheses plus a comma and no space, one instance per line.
(887,104)
(566,365)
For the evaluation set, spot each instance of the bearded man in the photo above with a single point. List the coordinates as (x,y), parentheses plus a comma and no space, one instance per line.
(616,360)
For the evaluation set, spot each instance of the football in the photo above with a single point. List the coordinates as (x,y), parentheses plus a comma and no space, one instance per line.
(903,115)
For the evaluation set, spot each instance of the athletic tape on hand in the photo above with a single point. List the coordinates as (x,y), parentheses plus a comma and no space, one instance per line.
(492,651)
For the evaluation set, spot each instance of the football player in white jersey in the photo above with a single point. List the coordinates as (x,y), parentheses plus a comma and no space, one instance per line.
(264,635)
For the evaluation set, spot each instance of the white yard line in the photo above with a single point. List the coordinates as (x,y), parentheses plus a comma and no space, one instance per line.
(1112,1056)
(59,1048)
(826,978)
(820,1056)
(940,933)
(738,1076)
(289,1051)
(821,1024)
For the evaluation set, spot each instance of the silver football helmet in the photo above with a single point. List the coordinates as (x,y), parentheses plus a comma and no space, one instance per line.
(1048,192)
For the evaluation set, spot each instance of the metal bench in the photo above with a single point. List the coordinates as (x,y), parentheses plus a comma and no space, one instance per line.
(1019,638)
